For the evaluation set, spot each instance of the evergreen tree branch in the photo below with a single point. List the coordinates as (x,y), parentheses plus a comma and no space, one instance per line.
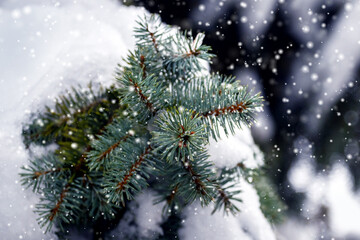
(147,36)
(178,133)
(153,39)
(105,158)
(144,96)
(108,142)
(218,101)
(42,169)
(61,122)
(226,195)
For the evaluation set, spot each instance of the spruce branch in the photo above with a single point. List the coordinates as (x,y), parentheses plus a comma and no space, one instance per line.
(196,178)
(143,98)
(61,203)
(170,198)
(187,53)
(143,66)
(56,208)
(106,155)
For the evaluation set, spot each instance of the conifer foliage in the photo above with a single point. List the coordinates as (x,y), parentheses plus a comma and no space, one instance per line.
(149,129)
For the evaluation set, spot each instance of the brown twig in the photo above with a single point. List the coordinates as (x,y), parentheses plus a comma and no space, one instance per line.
(133,168)
(153,39)
(112,147)
(239,107)
(143,98)
(143,66)
(55,210)
(192,53)
(171,197)
(224,196)
(200,186)
(37,174)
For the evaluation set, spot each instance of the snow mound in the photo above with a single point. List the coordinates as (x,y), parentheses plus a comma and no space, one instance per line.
(230,150)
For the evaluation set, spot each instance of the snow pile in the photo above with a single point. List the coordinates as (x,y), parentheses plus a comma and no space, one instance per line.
(45,48)
(149,215)
(233,149)
(250,223)
(143,219)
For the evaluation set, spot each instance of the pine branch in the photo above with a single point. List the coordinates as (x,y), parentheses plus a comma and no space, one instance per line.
(186,55)
(69,113)
(144,96)
(153,36)
(170,198)
(41,170)
(178,133)
(226,195)
(38,174)
(153,39)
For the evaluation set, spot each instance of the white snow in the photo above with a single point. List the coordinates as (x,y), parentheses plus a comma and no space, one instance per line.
(233,149)
(146,216)
(45,48)
(303,231)
(149,216)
